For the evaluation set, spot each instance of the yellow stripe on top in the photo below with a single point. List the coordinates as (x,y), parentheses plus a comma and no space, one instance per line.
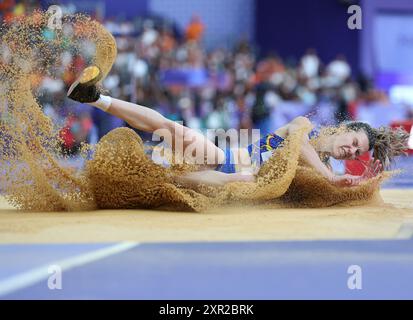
(267,145)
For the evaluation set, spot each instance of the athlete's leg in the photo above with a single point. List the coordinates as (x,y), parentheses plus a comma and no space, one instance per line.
(184,140)
(189,142)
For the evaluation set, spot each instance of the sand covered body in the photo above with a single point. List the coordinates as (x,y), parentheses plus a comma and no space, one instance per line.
(120,175)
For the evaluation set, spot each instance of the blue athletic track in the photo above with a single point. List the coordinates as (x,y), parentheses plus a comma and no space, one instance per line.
(221,270)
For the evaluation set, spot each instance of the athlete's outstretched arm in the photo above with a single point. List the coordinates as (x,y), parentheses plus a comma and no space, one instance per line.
(310,155)
(213,178)
(307,150)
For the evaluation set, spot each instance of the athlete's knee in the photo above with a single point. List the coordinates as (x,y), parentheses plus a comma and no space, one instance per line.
(173,128)
(301,121)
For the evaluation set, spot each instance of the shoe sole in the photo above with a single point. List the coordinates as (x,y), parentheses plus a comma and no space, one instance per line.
(89,77)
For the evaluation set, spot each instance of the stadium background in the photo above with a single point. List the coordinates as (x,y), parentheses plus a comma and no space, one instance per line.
(240,63)
(227,64)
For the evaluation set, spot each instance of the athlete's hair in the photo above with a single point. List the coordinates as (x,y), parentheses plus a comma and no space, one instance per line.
(386,143)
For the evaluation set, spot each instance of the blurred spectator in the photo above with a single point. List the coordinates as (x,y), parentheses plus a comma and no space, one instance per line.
(149,34)
(338,71)
(6,5)
(195,29)
(310,64)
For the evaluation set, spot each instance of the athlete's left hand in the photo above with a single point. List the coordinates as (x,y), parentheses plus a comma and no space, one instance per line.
(372,168)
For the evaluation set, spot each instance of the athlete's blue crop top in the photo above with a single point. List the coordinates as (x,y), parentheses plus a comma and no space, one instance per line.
(259,152)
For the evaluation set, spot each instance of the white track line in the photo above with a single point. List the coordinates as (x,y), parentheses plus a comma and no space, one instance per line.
(35,275)
(405,231)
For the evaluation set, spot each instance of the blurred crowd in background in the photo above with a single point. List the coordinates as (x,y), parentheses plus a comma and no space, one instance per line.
(170,70)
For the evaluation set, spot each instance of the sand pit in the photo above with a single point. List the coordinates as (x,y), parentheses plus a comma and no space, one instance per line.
(229,224)
(119,175)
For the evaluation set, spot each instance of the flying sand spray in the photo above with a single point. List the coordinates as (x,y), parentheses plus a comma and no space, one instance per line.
(120,175)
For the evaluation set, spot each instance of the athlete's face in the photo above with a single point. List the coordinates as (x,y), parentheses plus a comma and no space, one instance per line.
(349,145)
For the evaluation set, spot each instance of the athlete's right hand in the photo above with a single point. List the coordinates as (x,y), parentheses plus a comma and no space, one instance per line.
(345,180)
